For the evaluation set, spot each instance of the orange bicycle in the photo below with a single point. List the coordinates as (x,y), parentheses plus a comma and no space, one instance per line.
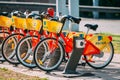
(25,47)
(50,52)
(7,28)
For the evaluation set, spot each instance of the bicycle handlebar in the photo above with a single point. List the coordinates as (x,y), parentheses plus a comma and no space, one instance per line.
(4,13)
(42,15)
(71,18)
(29,15)
(18,13)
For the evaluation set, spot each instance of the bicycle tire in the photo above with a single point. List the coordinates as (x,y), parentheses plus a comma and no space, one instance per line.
(8,48)
(41,55)
(2,38)
(102,56)
(24,48)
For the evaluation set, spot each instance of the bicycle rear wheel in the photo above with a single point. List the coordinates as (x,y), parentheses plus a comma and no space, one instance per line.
(99,61)
(49,54)
(9,46)
(24,51)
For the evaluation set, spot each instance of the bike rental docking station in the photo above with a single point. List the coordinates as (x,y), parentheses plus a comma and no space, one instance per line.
(78,41)
(70,68)
(72,63)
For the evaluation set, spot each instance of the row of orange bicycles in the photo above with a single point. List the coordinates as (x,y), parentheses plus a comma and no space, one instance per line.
(38,40)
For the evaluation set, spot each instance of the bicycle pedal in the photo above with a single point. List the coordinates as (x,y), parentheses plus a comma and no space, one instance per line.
(1,62)
(83,64)
(30,68)
(47,72)
(79,64)
(16,65)
(65,61)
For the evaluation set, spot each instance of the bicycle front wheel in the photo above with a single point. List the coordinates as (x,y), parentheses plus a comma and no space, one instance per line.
(24,51)
(49,54)
(3,35)
(99,61)
(9,46)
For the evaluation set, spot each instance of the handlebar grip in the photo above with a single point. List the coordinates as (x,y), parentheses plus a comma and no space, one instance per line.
(71,18)
(76,20)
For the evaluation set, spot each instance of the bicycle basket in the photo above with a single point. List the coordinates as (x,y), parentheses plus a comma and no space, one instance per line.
(52,26)
(33,24)
(90,49)
(96,43)
(5,21)
(20,23)
(100,41)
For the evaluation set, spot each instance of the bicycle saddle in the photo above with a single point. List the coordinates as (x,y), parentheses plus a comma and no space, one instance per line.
(92,26)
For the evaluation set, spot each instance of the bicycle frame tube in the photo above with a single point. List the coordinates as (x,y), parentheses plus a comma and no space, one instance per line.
(67,42)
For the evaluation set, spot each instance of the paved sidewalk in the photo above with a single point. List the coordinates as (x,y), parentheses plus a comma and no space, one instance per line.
(111,72)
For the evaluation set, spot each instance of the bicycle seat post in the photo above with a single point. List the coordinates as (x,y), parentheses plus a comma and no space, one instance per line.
(87,32)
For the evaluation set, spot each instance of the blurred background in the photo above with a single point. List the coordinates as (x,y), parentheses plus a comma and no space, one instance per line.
(86,14)
(105,13)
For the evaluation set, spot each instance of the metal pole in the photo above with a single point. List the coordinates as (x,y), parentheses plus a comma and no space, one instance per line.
(72,63)
(60,7)
(61,10)
(74,11)
(95,13)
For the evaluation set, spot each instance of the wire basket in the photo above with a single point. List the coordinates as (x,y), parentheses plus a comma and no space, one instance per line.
(33,24)
(5,21)
(20,23)
(52,26)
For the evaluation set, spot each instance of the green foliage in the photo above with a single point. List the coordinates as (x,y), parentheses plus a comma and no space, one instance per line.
(4,69)
(6,74)
(43,79)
